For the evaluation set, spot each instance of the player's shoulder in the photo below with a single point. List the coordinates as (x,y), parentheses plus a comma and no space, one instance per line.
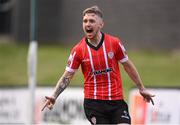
(79,45)
(113,39)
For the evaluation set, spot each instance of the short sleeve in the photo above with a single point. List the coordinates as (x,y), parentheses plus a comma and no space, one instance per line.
(73,60)
(121,54)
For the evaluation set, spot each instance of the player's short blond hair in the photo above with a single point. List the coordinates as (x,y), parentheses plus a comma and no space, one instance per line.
(94,9)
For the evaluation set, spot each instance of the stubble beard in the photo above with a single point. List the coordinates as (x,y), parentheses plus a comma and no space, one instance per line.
(94,36)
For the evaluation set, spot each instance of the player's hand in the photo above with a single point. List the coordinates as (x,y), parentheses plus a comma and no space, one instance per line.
(50,101)
(147,96)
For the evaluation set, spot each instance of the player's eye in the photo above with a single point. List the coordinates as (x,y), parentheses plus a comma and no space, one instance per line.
(85,21)
(91,21)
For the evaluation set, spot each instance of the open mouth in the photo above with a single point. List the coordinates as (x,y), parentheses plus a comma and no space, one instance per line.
(89,30)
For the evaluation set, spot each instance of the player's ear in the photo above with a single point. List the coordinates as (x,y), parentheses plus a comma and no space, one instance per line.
(102,24)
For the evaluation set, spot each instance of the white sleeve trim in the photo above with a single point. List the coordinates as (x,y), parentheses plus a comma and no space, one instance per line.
(124,59)
(70,69)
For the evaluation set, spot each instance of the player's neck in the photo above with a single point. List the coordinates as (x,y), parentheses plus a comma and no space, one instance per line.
(96,40)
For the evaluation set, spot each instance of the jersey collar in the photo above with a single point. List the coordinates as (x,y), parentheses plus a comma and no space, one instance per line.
(98,46)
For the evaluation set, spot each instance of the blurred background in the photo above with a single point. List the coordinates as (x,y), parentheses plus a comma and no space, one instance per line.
(150,31)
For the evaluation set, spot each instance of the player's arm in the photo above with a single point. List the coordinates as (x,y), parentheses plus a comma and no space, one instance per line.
(62,83)
(134,75)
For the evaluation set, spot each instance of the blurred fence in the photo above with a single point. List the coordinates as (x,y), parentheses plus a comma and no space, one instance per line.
(15,107)
(165,111)
(68,109)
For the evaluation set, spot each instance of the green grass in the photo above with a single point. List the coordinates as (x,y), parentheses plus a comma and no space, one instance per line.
(157,69)
(13,64)
(52,63)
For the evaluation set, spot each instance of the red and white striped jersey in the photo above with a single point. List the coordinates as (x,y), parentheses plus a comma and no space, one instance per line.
(102,78)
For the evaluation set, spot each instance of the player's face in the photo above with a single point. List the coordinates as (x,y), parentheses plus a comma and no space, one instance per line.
(92,25)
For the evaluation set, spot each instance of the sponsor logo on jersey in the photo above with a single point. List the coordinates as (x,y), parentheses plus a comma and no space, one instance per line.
(104,71)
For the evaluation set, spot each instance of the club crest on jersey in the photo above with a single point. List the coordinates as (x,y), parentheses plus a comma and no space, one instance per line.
(110,55)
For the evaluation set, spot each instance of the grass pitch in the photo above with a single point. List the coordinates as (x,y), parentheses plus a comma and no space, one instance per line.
(157,69)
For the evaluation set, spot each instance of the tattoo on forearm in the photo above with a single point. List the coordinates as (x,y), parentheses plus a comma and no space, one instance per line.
(66,80)
(60,88)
